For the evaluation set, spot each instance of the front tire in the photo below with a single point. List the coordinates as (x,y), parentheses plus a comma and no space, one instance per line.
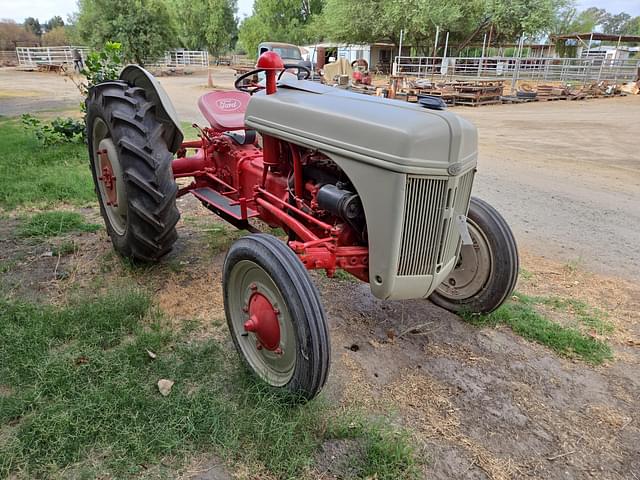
(131,167)
(487,271)
(275,317)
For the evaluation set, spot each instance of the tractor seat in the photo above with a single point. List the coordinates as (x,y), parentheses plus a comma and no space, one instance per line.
(224,110)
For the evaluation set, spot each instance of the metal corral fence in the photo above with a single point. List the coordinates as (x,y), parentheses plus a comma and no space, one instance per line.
(34,56)
(8,58)
(524,68)
(182,58)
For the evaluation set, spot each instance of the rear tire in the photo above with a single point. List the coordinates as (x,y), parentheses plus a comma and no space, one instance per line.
(139,204)
(487,271)
(264,280)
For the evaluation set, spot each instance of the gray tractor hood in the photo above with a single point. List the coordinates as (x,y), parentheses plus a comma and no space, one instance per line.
(390,134)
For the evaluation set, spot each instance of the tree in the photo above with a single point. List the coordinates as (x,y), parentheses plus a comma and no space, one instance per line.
(531,17)
(143,27)
(54,22)
(55,36)
(372,20)
(207,24)
(12,35)
(616,24)
(382,20)
(288,21)
(633,26)
(33,25)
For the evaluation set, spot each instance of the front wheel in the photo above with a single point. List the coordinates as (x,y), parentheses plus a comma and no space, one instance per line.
(487,270)
(275,317)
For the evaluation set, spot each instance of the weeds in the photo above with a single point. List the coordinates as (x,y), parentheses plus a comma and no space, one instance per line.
(344,276)
(220,237)
(67,247)
(52,223)
(79,380)
(59,130)
(523,319)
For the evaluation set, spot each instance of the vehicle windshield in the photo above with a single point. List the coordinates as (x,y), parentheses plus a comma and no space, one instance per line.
(288,52)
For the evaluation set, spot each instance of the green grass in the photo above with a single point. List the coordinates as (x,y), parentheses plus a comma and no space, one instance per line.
(345,276)
(79,391)
(67,247)
(34,175)
(586,315)
(524,273)
(386,453)
(219,237)
(525,320)
(53,223)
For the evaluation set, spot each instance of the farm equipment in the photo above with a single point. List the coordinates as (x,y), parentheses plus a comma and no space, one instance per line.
(378,188)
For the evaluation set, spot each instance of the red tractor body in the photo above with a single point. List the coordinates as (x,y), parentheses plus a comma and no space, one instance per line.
(239,180)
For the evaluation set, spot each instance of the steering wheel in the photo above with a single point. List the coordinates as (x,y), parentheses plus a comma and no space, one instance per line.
(253,88)
(300,68)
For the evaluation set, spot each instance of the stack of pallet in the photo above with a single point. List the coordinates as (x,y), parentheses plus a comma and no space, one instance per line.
(470,92)
(550,92)
(478,92)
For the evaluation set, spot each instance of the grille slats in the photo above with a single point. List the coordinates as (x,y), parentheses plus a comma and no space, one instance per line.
(429,236)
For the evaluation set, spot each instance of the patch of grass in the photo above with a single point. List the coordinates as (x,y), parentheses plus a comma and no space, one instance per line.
(67,247)
(587,315)
(7,265)
(219,237)
(82,386)
(572,265)
(33,175)
(523,319)
(52,223)
(387,453)
(524,273)
(344,275)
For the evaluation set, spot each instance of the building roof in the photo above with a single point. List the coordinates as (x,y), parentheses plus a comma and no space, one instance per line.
(349,45)
(599,36)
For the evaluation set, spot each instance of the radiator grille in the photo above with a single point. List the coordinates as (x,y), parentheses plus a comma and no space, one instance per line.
(429,236)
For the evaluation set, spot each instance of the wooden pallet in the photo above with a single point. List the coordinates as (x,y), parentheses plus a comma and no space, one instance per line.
(514,99)
(552,98)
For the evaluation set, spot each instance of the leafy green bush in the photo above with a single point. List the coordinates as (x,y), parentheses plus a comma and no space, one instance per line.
(60,130)
(102,66)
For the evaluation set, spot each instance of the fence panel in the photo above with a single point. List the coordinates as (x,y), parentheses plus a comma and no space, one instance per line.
(34,56)
(181,58)
(524,68)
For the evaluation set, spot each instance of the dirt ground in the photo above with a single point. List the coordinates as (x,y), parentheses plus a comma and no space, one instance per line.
(481,402)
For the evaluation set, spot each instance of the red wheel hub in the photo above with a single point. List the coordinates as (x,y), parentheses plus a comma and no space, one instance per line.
(263,322)
(107,178)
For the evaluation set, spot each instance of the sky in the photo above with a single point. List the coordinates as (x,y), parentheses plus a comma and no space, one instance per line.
(45,9)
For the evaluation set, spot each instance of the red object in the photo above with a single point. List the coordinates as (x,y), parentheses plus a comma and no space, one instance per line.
(224,110)
(239,180)
(107,178)
(357,76)
(263,321)
(271,63)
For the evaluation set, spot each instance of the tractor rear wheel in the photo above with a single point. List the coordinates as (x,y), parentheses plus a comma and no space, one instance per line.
(487,270)
(131,166)
(275,317)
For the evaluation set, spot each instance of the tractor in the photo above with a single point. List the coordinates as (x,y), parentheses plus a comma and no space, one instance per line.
(378,188)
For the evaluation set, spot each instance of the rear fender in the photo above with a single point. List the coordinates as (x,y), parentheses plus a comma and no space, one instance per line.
(137,76)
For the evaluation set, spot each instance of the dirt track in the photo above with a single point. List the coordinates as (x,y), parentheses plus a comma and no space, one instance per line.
(483,402)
